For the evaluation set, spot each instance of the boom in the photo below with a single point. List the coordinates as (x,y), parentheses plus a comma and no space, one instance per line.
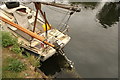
(34,35)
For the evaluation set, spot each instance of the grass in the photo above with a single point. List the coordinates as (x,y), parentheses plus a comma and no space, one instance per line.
(16,48)
(11,67)
(15,65)
(18,66)
(33,61)
(8,74)
(7,39)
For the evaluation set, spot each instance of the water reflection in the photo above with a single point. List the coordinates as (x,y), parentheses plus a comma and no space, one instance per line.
(86,5)
(109,14)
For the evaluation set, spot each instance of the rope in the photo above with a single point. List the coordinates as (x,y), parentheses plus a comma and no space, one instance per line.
(58,26)
(64,26)
(65,23)
(62,20)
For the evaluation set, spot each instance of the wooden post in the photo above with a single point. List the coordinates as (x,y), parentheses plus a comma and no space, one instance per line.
(45,24)
(38,5)
(35,20)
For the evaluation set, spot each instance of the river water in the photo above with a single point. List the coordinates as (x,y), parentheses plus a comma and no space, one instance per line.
(94,44)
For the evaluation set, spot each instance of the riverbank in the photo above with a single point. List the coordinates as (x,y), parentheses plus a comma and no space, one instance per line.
(16,62)
(29,72)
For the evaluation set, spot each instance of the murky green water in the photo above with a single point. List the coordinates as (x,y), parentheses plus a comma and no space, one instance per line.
(94,44)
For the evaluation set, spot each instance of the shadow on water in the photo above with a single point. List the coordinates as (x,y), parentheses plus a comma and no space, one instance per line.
(58,67)
(109,14)
(54,64)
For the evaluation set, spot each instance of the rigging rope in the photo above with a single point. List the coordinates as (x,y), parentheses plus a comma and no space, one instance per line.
(67,13)
(62,20)
(66,23)
(63,11)
(64,17)
(65,26)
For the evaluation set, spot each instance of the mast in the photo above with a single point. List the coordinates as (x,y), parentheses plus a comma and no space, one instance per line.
(38,6)
(35,20)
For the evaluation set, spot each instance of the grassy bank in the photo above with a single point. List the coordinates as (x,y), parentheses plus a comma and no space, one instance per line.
(15,65)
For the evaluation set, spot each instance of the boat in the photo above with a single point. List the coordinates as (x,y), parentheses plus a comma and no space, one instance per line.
(32,29)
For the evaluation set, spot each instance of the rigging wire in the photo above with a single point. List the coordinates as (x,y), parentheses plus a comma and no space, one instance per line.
(67,13)
(66,23)
(65,26)
(62,11)
(58,26)
(64,17)
(68,19)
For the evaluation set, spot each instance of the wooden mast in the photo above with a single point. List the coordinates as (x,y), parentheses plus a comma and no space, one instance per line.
(38,6)
(35,20)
